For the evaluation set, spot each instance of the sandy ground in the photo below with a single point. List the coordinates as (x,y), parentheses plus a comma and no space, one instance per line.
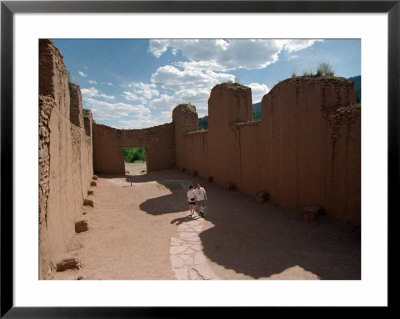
(135,216)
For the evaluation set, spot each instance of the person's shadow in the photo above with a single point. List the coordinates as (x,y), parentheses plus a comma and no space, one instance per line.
(185,219)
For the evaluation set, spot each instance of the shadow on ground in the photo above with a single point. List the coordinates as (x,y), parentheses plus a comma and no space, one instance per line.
(175,202)
(171,203)
(261,240)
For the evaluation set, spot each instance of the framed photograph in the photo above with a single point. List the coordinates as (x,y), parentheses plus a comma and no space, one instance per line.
(373,26)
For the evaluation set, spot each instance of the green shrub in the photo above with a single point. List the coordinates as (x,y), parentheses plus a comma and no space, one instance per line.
(132,155)
(325,69)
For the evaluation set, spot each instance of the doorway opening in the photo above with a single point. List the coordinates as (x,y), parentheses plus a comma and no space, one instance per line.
(135,161)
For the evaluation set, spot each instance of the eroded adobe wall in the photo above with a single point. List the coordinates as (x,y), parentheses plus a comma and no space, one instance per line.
(306,149)
(310,163)
(186,120)
(109,144)
(65,158)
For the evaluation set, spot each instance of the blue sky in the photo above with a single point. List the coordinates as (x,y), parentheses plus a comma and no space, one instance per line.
(135,83)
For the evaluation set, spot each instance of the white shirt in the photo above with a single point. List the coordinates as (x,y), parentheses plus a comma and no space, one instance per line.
(199,193)
(190,194)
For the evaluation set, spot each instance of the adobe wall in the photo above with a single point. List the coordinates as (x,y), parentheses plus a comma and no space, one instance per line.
(306,150)
(109,144)
(65,157)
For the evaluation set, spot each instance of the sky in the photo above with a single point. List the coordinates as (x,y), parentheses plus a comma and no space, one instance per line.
(136,83)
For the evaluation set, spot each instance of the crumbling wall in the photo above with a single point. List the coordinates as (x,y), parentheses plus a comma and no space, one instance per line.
(65,163)
(306,150)
(109,144)
(186,120)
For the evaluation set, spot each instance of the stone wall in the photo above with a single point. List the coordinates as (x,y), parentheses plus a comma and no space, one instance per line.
(306,150)
(109,144)
(65,157)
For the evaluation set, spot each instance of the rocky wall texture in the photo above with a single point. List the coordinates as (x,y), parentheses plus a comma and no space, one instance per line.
(65,158)
(305,151)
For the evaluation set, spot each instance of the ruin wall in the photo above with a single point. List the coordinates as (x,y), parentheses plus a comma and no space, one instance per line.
(65,157)
(306,150)
(109,144)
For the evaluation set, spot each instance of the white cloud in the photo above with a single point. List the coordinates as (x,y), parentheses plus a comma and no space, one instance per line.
(110,84)
(190,77)
(82,74)
(225,55)
(186,82)
(297,45)
(145,121)
(105,110)
(93,92)
(146,91)
(130,96)
(139,91)
(92,82)
(258,91)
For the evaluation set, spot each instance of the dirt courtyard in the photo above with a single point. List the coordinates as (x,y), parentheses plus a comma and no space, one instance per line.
(139,230)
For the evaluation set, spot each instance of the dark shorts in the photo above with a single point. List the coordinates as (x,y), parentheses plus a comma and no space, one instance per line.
(201,203)
(192,203)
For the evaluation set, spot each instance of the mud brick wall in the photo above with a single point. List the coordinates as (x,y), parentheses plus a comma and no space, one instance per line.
(88,122)
(65,158)
(75,96)
(306,149)
(186,120)
(109,144)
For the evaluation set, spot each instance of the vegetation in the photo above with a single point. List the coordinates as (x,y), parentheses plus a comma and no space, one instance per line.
(169,186)
(132,155)
(203,123)
(325,69)
(257,116)
(233,83)
(191,107)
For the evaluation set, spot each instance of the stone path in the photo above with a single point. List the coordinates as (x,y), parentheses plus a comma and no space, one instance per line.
(186,252)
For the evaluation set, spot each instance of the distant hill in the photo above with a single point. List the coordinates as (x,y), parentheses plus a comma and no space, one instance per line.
(203,121)
(356,80)
(257,107)
(357,86)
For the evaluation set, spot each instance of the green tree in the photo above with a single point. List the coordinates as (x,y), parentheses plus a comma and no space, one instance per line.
(132,155)
(203,123)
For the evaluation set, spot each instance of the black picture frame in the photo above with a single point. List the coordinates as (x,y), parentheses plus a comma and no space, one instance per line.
(9,8)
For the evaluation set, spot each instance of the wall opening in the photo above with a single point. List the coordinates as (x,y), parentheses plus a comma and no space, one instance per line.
(135,161)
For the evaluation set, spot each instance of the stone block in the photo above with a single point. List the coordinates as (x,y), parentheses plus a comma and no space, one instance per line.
(88,202)
(90,192)
(81,226)
(68,263)
(93,183)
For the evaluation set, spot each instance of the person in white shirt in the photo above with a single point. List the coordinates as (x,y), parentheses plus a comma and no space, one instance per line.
(191,199)
(201,197)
